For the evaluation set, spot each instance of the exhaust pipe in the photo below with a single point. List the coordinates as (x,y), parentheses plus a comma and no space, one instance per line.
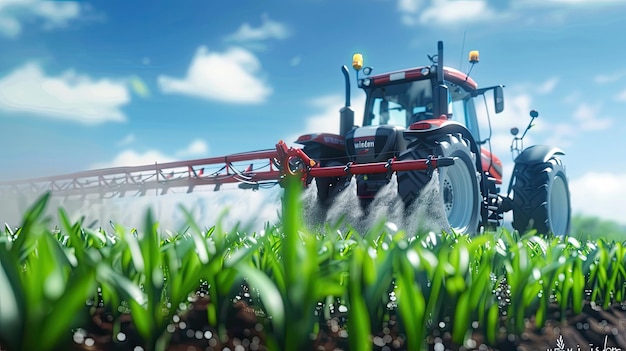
(441,92)
(346,114)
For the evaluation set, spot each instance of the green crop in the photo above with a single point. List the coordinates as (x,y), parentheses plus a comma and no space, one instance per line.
(52,280)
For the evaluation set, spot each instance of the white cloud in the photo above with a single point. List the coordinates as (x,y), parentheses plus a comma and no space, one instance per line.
(130,157)
(572,98)
(548,86)
(57,13)
(606,201)
(609,78)
(589,120)
(621,96)
(129,139)
(69,96)
(54,14)
(444,12)
(516,114)
(585,118)
(10,27)
(295,61)
(561,7)
(267,30)
(197,147)
(410,6)
(561,135)
(541,88)
(571,2)
(134,158)
(231,76)
(409,9)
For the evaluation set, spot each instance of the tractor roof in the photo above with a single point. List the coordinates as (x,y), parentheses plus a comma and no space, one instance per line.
(450,74)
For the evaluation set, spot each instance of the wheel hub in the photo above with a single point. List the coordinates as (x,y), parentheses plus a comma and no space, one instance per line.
(558,212)
(457,192)
(448,195)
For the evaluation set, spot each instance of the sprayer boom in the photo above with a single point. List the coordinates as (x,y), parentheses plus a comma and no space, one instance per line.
(251,170)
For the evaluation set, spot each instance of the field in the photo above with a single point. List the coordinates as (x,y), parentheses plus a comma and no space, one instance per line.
(292,287)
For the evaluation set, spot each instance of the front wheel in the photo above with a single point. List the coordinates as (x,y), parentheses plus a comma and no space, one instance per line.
(541,197)
(459,190)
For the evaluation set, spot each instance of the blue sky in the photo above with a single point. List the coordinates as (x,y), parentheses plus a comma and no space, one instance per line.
(106,83)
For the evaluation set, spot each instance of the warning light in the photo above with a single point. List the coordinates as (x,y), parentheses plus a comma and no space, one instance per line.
(357,61)
(473,56)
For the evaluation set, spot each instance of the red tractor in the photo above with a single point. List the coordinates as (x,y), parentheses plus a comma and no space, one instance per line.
(430,111)
(417,122)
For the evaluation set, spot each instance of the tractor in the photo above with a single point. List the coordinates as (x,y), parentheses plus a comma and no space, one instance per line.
(430,111)
(418,123)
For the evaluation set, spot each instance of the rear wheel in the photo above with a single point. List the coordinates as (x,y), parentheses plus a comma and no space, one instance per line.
(541,198)
(459,190)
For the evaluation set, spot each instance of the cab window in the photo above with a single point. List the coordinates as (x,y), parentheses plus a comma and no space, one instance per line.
(399,103)
(464,112)
(387,112)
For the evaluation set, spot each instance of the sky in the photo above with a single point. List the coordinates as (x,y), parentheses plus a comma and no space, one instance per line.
(92,84)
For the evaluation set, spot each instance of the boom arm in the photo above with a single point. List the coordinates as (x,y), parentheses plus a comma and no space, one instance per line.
(274,166)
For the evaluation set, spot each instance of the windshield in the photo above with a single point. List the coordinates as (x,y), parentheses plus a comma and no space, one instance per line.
(405,103)
(400,104)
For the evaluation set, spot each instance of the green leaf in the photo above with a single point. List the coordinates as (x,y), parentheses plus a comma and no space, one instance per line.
(12,307)
(411,303)
(64,311)
(142,320)
(359,321)
(32,227)
(129,291)
(492,323)
(578,287)
(461,319)
(292,225)
(199,241)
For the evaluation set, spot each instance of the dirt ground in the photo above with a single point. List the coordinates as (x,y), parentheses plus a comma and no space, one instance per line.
(593,330)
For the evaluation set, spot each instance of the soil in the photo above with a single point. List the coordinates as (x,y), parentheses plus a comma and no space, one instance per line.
(594,329)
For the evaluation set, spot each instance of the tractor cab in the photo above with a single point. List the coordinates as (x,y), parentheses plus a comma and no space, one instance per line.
(405,97)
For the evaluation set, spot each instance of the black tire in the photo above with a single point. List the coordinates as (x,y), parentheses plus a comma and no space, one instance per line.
(459,187)
(541,198)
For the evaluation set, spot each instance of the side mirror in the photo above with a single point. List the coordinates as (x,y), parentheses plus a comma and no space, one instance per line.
(534,114)
(498,99)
